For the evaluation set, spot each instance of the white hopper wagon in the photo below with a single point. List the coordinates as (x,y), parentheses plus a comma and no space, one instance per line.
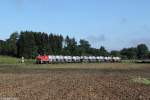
(75,59)
(50,58)
(101,58)
(85,59)
(109,59)
(70,59)
(94,58)
(61,59)
(90,58)
(116,59)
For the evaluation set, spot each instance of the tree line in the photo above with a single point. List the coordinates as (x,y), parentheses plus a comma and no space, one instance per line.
(30,44)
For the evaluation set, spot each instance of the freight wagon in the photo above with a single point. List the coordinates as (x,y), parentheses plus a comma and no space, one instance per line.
(74,59)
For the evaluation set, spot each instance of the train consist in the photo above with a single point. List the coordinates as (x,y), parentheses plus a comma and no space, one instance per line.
(74,59)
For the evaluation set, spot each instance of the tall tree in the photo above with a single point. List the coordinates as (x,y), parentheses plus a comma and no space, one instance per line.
(84,47)
(2,47)
(129,53)
(60,43)
(103,51)
(38,40)
(149,55)
(44,43)
(27,45)
(55,44)
(12,44)
(115,53)
(71,45)
(142,51)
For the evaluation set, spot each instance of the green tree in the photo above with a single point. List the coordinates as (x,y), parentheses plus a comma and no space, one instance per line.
(27,45)
(84,47)
(149,55)
(12,44)
(38,41)
(142,51)
(115,53)
(103,51)
(44,43)
(2,51)
(71,45)
(129,53)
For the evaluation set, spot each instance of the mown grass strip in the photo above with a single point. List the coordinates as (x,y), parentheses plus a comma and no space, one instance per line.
(141,80)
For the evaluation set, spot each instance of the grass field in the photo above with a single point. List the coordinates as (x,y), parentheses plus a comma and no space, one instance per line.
(8,60)
(13,60)
(93,81)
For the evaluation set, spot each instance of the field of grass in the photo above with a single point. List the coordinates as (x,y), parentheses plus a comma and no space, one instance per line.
(13,60)
(8,60)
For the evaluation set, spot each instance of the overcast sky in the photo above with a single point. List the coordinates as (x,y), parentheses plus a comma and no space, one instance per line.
(112,23)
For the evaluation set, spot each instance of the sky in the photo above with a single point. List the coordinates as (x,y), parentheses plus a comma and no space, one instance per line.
(114,24)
